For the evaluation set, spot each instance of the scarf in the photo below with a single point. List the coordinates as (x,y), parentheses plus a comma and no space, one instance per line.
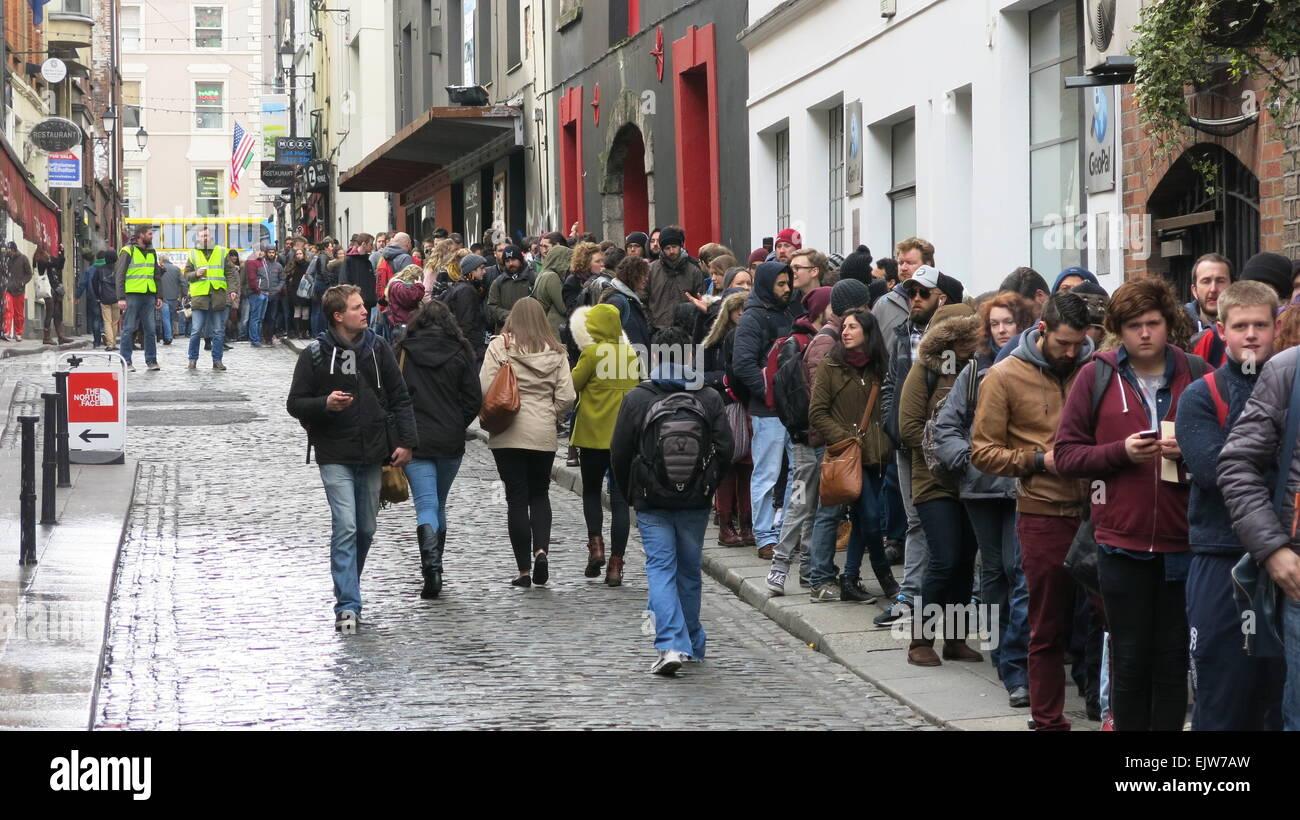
(857,359)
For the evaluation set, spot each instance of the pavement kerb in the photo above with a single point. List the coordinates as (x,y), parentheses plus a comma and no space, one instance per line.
(108,602)
(8,352)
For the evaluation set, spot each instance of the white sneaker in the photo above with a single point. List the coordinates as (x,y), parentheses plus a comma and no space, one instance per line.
(668,664)
(776,581)
(346,622)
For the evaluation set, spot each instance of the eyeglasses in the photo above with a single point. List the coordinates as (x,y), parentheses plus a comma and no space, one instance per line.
(918,290)
(803,267)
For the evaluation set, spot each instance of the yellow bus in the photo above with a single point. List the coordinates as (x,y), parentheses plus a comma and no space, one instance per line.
(173,238)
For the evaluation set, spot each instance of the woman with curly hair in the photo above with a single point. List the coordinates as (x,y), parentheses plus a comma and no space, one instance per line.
(588,261)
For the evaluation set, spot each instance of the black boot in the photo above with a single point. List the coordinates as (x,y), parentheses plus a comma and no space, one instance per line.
(435,566)
(851,591)
(888,585)
(428,540)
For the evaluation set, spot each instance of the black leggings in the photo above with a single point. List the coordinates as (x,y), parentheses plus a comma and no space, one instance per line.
(595,465)
(526,475)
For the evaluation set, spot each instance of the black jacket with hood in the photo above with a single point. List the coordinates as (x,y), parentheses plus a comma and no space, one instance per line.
(465,301)
(764,321)
(442,377)
(359,434)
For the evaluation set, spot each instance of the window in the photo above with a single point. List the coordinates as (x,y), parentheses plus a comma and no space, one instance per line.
(835,186)
(208,193)
(624,19)
(468,9)
(131,114)
(133,191)
(132,28)
(783,179)
(1055,115)
(513,57)
(208,105)
(902,193)
(208,25)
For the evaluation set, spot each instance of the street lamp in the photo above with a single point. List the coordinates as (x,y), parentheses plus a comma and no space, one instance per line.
(110,121)
(141,138)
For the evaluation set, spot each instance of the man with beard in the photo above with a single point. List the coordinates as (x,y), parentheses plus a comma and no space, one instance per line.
(465,301)
(672,276)
(1014,433)
(514,283)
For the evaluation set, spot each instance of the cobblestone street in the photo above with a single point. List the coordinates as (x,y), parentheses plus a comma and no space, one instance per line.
(222,612)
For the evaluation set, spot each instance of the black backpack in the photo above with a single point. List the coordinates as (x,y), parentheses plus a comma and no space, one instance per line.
(790,391)
(105,284)
(674,467)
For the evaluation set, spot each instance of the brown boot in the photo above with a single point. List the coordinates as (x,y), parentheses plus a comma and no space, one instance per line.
(728,537)
(956,650)
(595,556)
(46,339)
(614,572)
(747,533)
(921,653)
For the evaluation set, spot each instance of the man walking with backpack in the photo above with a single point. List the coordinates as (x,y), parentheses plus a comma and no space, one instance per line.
(670,427)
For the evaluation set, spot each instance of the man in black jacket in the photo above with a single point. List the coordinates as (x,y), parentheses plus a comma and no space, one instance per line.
(672,520)
(349,394)
(765,320)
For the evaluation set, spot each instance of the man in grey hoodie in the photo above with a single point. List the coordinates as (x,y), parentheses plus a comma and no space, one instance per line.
(398,252)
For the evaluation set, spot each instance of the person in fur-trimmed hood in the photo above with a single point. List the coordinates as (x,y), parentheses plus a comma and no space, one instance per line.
(607,369)
(949,343)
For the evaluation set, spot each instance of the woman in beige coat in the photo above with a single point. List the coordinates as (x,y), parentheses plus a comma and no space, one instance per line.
(525,450)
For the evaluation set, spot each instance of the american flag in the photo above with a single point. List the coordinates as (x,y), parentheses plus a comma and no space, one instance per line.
(240,157)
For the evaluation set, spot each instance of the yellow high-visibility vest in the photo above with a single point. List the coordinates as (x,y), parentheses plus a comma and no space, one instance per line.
(139,274)
(214,265)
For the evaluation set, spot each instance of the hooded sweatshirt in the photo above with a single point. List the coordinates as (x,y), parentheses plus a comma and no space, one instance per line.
(442,378)
(545,393)
(607,369)
(1137,510)
(632,311)
(630,427)
(397,257)
(951,326)
(549,288)
(1080,272)
(764,321)
(1020,405)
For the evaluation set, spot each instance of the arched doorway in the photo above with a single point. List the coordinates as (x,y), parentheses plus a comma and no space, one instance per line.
(1189,219)
(625,200)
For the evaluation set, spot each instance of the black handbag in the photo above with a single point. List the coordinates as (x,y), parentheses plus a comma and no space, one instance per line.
(1081,560)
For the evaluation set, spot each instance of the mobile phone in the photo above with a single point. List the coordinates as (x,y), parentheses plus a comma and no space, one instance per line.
(1149,434)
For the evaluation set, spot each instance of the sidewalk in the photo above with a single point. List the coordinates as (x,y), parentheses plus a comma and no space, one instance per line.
(29,347)
(53,614)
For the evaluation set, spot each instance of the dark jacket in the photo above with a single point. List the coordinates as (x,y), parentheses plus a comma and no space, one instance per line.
(952,431)
(17,271)
(764,321)
(1139,511)
(1201,438)
(359,434)
(632,311)
(629,427)
(1249,459)
(465,301)
(442,378)
(668,281)
(357,271)
(836,404)
(397,258)
(504,292)
(900,364)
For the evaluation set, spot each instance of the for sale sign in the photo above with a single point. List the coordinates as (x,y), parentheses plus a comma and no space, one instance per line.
(96,407)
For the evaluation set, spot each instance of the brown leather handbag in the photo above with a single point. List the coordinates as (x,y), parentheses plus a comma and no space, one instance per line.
(841,475)
(501,403)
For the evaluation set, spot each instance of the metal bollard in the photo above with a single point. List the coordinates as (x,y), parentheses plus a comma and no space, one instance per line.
(61,431)
(27,492)
(49,461)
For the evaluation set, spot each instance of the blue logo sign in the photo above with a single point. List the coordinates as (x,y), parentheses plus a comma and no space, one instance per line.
(64,170)
(1100,114)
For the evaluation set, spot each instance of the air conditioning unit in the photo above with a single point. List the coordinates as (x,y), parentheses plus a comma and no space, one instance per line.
(1111,30)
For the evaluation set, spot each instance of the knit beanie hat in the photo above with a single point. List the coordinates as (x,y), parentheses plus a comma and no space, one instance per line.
(471,262)
(788,235)
(816,301)
(1273,269)
(758,256)
(848,294)
(638,238)
(672,235)
(857,265)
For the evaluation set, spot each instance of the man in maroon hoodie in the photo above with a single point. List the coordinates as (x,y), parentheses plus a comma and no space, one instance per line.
(1140,518)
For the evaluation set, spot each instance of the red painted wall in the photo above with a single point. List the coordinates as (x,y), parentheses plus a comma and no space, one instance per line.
(695,97)
(571,194)
(636,193)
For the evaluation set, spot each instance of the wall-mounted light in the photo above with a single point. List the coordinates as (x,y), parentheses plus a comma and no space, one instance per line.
(141,138)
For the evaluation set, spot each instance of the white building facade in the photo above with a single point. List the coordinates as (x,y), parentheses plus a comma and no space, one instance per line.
(966,136)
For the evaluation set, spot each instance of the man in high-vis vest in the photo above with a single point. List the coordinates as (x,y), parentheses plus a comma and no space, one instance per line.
(138,275)
(210,270)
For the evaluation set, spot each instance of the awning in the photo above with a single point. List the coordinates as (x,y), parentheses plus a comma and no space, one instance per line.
(34,212)
(436,138)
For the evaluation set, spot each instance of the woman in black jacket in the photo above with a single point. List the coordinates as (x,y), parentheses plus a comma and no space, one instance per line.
(731,501)
(441,372)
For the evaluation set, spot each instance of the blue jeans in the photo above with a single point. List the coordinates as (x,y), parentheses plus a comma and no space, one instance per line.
(214,322)
(769,440)
(245,307)
(1291,640)
(674,541)
(1002,584)
(894,517)
(94,320)
(318,323)
(866,513)
(165,316)
(430,482)
(139,314)
(256,313)
(353,494)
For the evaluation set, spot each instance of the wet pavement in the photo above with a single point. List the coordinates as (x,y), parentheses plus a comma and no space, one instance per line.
(222,613)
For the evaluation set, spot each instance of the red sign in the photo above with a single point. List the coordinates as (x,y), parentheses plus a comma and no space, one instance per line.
(32,210)
(93,397)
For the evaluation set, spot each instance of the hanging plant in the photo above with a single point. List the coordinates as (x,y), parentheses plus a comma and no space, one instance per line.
(1184,44)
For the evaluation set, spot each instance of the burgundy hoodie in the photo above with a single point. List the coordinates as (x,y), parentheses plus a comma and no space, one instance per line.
(1140,512)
